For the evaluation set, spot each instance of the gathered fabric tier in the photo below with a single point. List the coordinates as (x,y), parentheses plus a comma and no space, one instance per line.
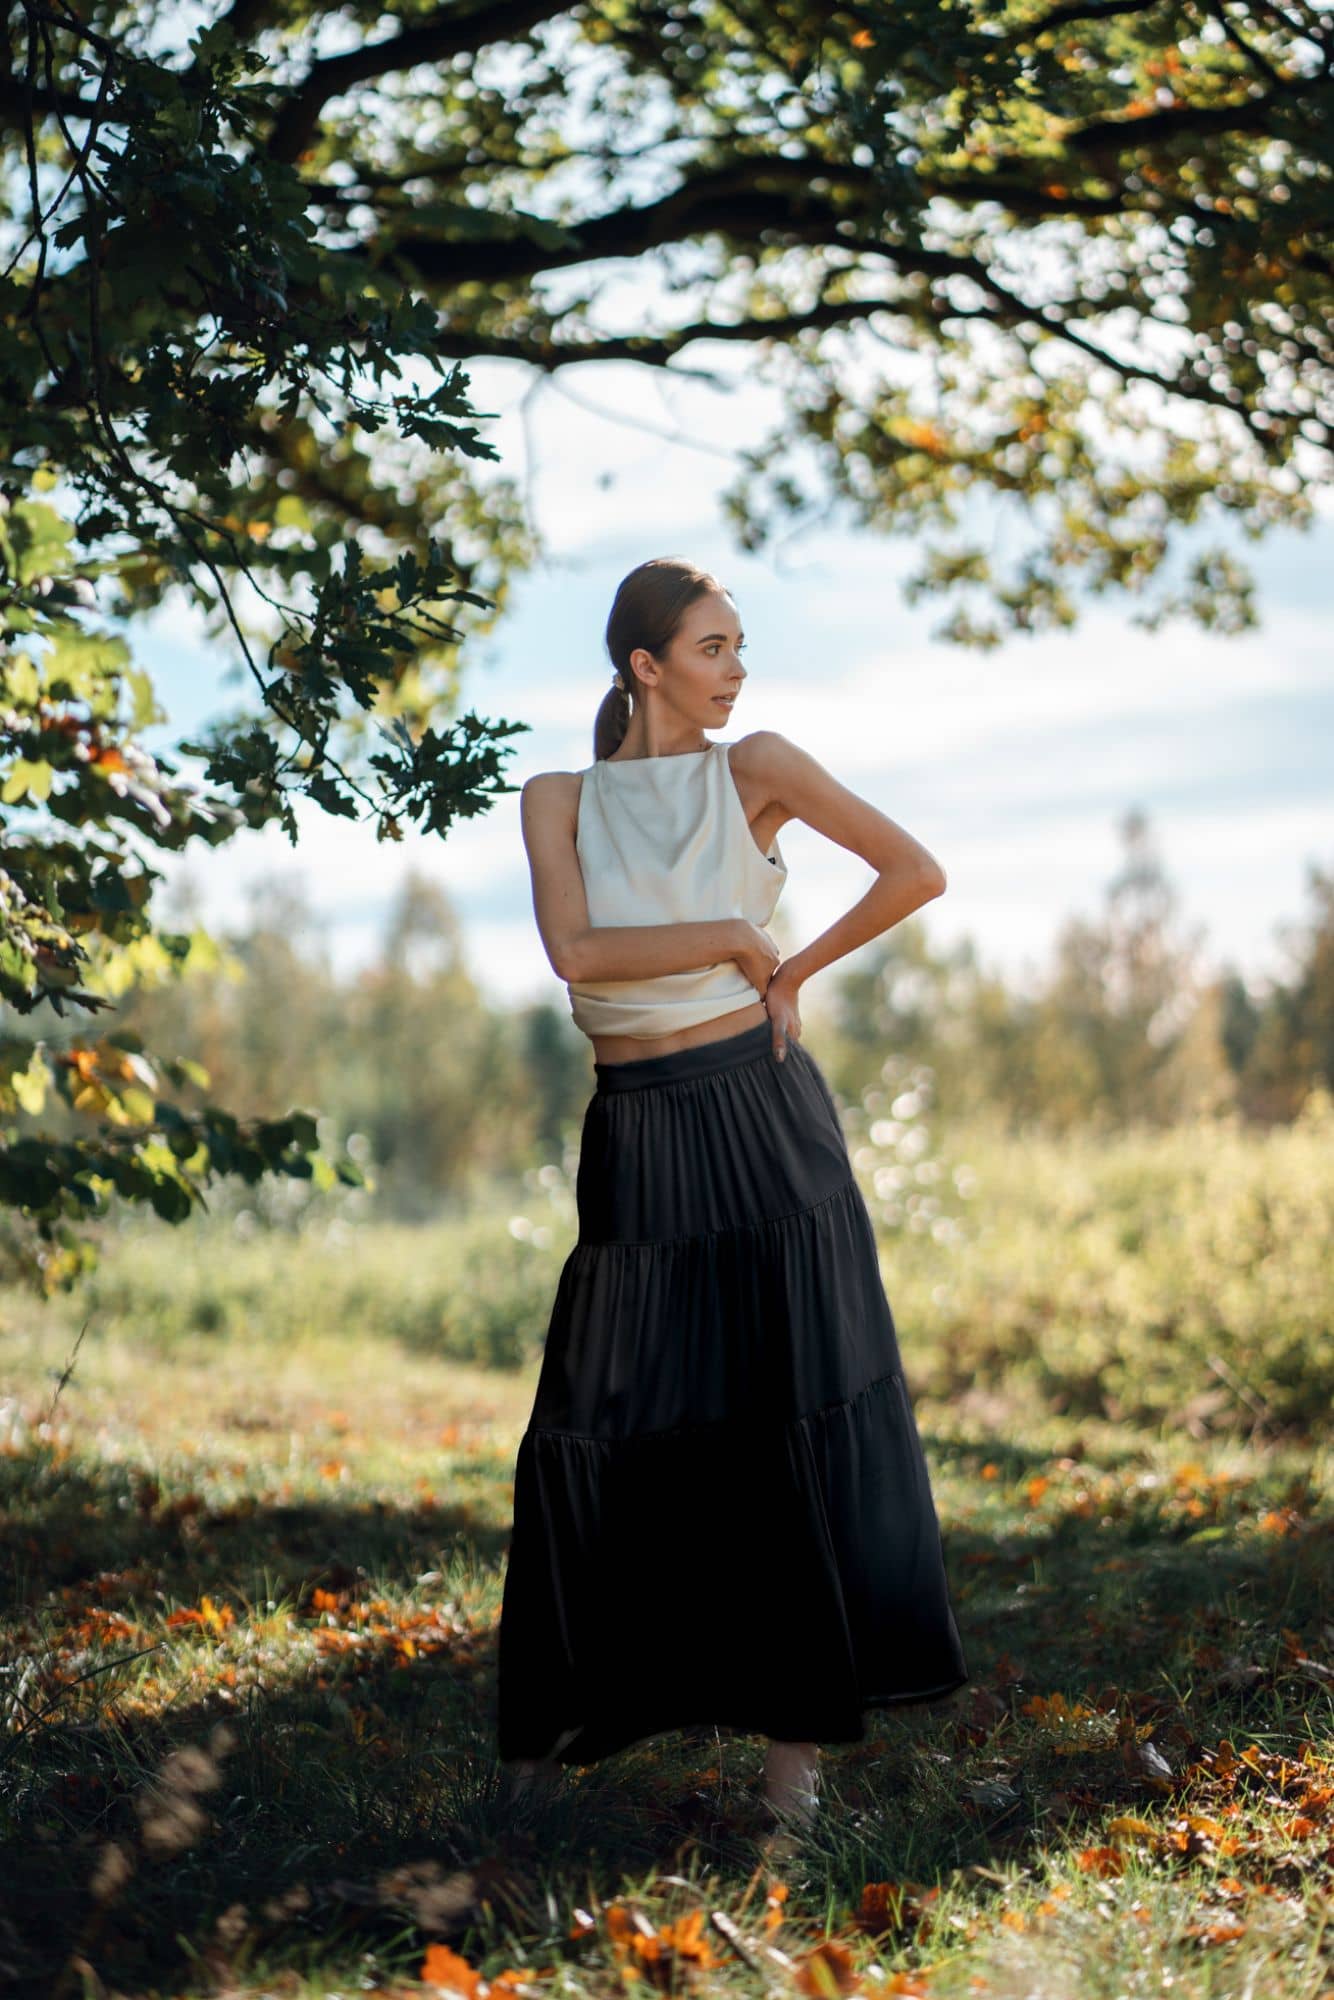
(722,1509)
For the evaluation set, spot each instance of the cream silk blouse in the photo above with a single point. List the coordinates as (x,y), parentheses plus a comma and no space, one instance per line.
(664,840)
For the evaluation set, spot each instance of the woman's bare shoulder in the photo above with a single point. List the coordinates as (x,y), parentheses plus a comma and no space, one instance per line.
(550,783)
(763,759)
(549,799)
(763,750)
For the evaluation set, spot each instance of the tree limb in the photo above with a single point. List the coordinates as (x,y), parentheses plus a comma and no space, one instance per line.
(453,31)
(655,350)
(1081,10)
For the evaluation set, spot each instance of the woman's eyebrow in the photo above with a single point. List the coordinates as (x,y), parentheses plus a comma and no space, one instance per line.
(710,636)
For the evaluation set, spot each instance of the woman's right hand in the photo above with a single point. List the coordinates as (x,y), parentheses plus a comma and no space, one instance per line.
(756,953)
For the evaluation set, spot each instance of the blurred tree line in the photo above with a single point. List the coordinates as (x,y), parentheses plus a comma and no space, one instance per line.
(443,1091)
(1126,1025)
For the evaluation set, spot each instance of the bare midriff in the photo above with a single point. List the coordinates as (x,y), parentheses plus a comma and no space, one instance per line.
(630,1048)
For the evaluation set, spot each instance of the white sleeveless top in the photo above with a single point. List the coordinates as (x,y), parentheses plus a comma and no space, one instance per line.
(665,840)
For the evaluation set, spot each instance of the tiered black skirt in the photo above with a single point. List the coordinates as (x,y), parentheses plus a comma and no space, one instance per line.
(722,1512)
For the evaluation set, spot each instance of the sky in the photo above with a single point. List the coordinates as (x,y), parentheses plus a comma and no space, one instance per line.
(1014,767)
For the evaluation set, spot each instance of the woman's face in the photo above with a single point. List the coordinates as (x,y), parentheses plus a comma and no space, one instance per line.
(701,672)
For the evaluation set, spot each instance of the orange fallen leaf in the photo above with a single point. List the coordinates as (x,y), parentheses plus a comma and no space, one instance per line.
(828,1970)
(1216,1933)
(443,1967)
(1128,1823)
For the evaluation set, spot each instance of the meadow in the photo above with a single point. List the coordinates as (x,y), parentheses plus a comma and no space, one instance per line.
(255,1488)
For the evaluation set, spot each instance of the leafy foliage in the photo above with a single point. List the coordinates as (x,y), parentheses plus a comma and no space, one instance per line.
(1070,266)
(167,301)
(1076,261)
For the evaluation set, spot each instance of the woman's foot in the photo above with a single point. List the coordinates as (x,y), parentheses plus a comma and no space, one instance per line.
(529,1776)
(532,1776)
(791,1780)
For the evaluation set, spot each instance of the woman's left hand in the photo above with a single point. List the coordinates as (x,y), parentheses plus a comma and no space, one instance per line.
(780,1000)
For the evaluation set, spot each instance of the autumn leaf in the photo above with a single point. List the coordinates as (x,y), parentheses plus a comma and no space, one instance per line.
(828,1970)
(881,1906)
(1127,1823)
(1100,1861)
(1216,1932)
(658,1953)
(925,437)
(217,1617)
(443,1967)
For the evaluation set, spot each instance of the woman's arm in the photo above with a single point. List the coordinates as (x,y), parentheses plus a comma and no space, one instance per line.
(776,770)
(580,951)
(642,951)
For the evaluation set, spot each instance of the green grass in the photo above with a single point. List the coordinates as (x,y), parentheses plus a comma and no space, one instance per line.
(252,1570)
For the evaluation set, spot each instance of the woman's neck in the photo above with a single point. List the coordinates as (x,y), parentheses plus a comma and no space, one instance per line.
(638,753)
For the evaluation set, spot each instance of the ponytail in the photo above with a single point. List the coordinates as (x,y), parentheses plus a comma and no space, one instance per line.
(612,720)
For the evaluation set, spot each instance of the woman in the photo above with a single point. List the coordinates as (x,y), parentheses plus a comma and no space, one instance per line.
(722,1512)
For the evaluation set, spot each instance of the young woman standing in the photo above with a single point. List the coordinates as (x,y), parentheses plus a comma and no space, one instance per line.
(722,1511)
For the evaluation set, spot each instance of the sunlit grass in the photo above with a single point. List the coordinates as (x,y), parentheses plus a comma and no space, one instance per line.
(252,1574)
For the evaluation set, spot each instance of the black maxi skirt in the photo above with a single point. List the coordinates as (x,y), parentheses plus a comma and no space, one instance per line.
(722,1511)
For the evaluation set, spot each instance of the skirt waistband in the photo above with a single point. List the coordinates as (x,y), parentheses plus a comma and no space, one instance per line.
(699,1060)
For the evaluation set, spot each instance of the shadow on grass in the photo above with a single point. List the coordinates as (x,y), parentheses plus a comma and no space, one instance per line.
(351,1804)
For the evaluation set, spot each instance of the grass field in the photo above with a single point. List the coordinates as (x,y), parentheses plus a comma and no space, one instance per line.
(253,1530)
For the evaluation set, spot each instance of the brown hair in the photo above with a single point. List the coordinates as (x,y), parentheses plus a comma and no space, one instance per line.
(646,611)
